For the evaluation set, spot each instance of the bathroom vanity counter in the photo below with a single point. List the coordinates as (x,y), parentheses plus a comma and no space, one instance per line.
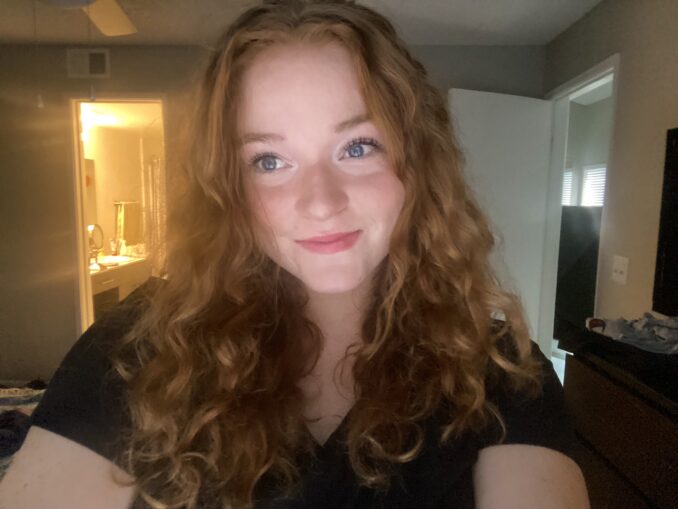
(125,276)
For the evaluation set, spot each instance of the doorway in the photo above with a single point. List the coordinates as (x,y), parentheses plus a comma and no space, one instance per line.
(120,176)
(583,202)
(584,110)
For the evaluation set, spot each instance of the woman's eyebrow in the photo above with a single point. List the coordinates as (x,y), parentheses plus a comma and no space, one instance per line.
(351,122)
(341,126)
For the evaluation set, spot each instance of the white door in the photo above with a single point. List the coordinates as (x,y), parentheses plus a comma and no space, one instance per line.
(507,142)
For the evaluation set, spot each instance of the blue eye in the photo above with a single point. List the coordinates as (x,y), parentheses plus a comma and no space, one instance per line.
(356,149)
(269,162)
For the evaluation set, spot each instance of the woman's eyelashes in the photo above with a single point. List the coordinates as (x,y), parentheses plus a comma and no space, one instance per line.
(355,150)
(270,162)
(267,162)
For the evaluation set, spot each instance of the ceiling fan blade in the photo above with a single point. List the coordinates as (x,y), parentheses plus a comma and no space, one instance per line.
(109,18)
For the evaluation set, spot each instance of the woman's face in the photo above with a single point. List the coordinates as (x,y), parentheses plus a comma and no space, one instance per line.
(320,182)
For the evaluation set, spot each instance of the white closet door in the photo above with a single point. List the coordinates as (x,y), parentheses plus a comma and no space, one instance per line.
(507,143)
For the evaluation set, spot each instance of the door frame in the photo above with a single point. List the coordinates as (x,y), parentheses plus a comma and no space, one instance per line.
(560,97)
(83,287)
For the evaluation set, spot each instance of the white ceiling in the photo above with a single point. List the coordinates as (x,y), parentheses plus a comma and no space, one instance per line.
(199,22)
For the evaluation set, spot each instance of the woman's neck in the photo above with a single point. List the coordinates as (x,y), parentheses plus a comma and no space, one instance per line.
(339,317)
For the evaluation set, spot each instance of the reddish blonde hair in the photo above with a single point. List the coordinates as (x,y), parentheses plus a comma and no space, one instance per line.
(213,362)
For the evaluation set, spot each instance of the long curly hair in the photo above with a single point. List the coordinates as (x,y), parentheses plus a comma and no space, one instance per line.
(212,365)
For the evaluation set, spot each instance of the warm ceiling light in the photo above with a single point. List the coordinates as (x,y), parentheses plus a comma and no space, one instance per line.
(90,118)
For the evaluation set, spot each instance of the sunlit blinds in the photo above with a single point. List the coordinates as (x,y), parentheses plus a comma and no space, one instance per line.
(593,192)
(567,187)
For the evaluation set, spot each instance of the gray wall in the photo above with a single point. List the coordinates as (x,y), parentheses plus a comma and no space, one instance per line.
(644,35)
(38,255)
(516,70)
(589,133)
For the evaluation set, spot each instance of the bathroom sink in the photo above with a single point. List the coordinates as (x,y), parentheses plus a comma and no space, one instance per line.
(113,260)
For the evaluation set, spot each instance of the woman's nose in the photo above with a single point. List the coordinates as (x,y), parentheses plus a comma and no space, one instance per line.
(321,193)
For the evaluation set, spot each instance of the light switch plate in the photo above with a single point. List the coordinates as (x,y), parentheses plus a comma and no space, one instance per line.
(620,268)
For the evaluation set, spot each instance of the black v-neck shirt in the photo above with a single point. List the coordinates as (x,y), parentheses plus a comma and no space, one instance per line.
(84,402)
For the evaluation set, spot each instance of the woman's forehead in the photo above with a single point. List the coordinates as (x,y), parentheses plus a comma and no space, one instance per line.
(289,82)
(284,65)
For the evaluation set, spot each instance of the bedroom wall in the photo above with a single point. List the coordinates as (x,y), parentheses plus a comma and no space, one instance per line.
(38,262)
(589,133)
(643,33)
(516,70)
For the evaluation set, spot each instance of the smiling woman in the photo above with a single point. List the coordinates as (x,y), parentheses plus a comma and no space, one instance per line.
(324,333)
(335,191)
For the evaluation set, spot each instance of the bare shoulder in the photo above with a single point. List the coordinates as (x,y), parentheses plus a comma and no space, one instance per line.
(528,476)
(53,471)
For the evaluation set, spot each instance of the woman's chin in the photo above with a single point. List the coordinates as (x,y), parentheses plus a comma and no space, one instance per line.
(333,284)
(335,288)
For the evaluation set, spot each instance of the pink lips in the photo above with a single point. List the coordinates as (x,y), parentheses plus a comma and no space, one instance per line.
(334,243)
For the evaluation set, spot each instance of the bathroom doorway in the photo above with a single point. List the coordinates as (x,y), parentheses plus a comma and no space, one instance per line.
(120,199)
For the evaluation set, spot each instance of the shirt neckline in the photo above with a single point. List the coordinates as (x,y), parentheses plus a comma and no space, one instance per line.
(332,439)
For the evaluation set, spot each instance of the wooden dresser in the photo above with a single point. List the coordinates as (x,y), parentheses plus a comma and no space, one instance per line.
(623,403)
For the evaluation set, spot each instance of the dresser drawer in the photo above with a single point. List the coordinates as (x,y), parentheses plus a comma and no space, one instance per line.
(639,440)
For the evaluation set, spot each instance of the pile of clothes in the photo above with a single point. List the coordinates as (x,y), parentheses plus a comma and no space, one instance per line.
(16,406)
(649,333)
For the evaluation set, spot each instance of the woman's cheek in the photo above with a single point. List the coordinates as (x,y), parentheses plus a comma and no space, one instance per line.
(272,207)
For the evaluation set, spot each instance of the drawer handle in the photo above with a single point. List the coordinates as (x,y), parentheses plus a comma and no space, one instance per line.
(108,281)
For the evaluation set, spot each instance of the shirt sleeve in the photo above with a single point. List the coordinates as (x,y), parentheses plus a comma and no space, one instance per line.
(541,420)
(85,399)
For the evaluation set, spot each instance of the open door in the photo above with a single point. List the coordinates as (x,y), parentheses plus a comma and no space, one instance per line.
(507,142)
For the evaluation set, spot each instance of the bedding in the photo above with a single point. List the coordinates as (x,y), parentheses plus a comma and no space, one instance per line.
(16,406)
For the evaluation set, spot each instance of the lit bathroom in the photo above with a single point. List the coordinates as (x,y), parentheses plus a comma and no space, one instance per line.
(121,167)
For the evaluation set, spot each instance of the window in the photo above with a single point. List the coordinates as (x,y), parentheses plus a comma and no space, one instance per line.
(568,177)
(593,191)
(584,187)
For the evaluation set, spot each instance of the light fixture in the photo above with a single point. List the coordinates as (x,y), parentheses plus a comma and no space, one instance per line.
(90,118)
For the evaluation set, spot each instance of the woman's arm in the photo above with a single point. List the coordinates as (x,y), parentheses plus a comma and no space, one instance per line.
(53,471)
(527,477)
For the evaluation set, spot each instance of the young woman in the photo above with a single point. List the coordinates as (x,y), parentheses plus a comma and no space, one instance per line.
(325,333)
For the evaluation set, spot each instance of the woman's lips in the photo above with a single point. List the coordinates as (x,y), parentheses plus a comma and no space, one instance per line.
(327,244)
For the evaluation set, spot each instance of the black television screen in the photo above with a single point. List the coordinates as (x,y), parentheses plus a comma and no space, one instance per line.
(665,294)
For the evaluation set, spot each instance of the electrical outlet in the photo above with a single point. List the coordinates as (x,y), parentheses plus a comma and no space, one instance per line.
(620,268)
